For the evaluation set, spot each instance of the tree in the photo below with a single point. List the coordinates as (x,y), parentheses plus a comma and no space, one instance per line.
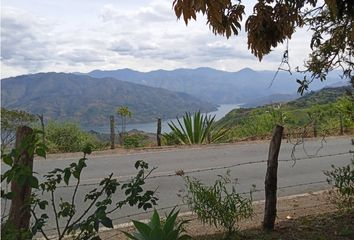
(274,21)
(124,113)
(10,121)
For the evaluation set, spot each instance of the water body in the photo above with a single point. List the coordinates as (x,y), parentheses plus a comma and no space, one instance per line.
(222,110)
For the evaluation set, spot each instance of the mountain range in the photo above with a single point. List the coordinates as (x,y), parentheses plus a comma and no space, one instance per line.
(89,98)
(90,101)
(218,86)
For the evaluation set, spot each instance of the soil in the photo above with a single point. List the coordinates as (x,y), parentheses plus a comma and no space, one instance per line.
(305,216)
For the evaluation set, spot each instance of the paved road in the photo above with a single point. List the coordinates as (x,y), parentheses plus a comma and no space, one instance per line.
(304,171)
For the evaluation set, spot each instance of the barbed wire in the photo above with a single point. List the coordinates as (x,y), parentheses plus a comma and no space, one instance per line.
(173,174)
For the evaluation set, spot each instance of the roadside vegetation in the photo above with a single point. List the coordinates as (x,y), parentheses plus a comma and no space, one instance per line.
(314,114)
(69,137)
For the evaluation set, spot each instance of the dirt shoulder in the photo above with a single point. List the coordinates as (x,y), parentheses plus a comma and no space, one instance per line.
(289,208)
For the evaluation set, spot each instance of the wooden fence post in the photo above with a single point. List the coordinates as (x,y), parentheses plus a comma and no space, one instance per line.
(20,214)
(270,208)
(158,134)
(341,124)
(111,121)
(315,128)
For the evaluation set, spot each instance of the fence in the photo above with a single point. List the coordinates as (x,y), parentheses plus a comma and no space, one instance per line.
(211,169)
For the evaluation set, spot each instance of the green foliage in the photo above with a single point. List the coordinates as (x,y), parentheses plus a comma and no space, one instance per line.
(10,121)
(323,110)
(170,139)
(196,129)
(218,205)
(69,137)
(136,140)
(156,230)
(272,22)
(99,202)
(124,113)
(342,178)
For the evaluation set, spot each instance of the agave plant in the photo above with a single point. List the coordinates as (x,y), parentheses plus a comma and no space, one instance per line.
(155,230)
(196,129)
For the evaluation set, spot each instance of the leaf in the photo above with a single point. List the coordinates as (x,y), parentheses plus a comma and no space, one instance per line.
(67,175)
(87,149)
(7,159)
(41,152)
(155,220)
(143,229)
(42,205)
(33,182)
(107,222)
(129,235)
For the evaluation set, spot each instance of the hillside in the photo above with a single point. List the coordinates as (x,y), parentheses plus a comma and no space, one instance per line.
(218,86)
(90,101)
(295,111)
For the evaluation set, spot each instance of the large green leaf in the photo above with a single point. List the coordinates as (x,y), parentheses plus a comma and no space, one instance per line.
(144,229)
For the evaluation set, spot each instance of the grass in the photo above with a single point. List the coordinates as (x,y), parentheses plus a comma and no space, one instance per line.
(329,226)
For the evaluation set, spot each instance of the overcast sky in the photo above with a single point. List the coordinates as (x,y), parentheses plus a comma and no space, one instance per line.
(83,35)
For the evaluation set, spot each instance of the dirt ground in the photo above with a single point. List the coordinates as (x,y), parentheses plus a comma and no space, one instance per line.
(288,209)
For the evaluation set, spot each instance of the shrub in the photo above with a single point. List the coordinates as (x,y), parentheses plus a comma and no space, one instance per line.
(69,137)
(97,204)
(217,205)
(196,129)
(136,140)
(170,139)
(342,178)
(169,230)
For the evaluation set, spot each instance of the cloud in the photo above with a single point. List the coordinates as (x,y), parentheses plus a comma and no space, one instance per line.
(143,36)
(24,40)
(82,56)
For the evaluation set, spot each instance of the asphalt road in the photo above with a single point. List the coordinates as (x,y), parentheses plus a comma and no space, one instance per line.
(170,188)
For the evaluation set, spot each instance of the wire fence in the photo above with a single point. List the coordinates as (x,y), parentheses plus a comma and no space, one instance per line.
(188,172)
(200,170)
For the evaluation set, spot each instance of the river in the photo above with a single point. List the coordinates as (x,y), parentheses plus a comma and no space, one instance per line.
(222,110)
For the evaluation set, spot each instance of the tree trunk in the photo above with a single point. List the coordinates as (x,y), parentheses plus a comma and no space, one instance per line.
(270,209)
(111,121)
(20,214)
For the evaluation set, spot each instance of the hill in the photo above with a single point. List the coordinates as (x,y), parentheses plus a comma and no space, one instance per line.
(294,112)
(217,86)
(90,101)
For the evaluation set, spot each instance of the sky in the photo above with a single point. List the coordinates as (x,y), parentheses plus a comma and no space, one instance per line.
(83,35)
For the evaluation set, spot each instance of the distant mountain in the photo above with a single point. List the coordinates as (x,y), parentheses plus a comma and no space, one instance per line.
(218,86)
(274,98)
(90,101)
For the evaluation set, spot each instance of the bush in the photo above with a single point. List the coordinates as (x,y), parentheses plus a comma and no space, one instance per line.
(169,230)
(342,178)
(196,129)
(98,204)
(170,139)
(218,206)
(69,137)
(136,140)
